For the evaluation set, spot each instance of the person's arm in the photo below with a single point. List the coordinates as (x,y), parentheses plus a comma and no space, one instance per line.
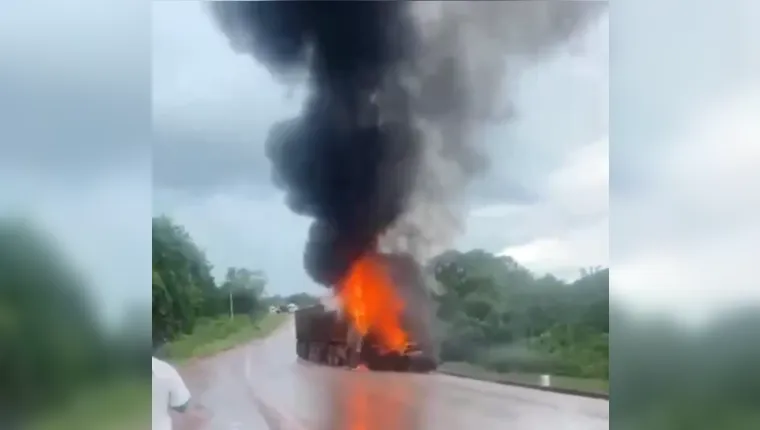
(179,395)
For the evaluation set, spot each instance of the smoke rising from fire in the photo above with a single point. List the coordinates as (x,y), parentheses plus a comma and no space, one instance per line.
(387,143)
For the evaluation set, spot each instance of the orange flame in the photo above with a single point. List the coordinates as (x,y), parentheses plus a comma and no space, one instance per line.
(371,303)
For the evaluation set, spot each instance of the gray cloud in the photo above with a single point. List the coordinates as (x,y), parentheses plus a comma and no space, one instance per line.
(75,136)
(684,148)
(203,165)
(663,74)
(70,129)
(236,230)
(213,108)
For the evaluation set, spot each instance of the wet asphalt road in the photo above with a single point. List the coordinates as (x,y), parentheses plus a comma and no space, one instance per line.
(263,386)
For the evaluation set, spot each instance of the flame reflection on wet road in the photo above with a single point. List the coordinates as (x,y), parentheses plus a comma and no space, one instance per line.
(264,387)
(371,401)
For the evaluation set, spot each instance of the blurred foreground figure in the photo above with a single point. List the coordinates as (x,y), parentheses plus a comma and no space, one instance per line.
(169,391)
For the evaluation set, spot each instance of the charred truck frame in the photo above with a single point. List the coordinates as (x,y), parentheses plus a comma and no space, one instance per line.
(329,335)
(395,97)
(392,89)
(324,336)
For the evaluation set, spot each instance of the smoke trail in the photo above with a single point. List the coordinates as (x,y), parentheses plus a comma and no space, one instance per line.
(468,53)
(386,144)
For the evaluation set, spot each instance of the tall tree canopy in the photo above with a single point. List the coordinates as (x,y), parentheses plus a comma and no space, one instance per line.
(51,338)
(500,315)
(184,289)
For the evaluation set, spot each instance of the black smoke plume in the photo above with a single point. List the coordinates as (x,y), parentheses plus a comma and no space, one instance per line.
(386,144)
(339,162)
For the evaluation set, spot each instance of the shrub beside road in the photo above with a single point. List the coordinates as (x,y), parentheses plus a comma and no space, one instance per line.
(125,404)
(567,384)
(117,405)
(500,321)
(215,335)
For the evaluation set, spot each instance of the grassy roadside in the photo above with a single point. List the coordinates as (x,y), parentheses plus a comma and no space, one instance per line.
(124,404)
(212,336)
(581,385)
(115,405)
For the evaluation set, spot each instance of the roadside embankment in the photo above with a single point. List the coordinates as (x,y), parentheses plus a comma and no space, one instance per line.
(212,336)
(595,388)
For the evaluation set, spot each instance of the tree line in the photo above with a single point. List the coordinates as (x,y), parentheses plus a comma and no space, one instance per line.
(494,312)
(498,315)
(54,344)
(184,290)
(669,375)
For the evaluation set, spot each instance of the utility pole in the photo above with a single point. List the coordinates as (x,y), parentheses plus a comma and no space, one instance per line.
(232,313)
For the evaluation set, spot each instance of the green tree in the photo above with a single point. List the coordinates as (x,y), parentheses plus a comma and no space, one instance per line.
(183,287)
(498,314)
(244,289)
(51,340)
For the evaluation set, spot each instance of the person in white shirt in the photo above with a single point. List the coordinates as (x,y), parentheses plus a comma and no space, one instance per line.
(169,392)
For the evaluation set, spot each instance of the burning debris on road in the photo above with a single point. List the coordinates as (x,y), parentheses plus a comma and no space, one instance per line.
(387,140)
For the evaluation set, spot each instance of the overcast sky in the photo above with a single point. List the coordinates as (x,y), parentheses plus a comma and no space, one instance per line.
(75,136)
(76,115)
(685,98)
(213,108)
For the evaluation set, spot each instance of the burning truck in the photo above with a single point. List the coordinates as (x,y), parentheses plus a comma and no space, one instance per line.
(381,321)
(385,145)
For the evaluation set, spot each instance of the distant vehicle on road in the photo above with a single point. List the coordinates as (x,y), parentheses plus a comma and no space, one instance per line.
(283,309)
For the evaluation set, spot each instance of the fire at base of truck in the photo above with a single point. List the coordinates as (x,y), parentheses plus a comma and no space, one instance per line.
(368,326)
(324,336)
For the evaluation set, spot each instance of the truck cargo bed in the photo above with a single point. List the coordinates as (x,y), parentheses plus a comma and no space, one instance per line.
(323,336)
